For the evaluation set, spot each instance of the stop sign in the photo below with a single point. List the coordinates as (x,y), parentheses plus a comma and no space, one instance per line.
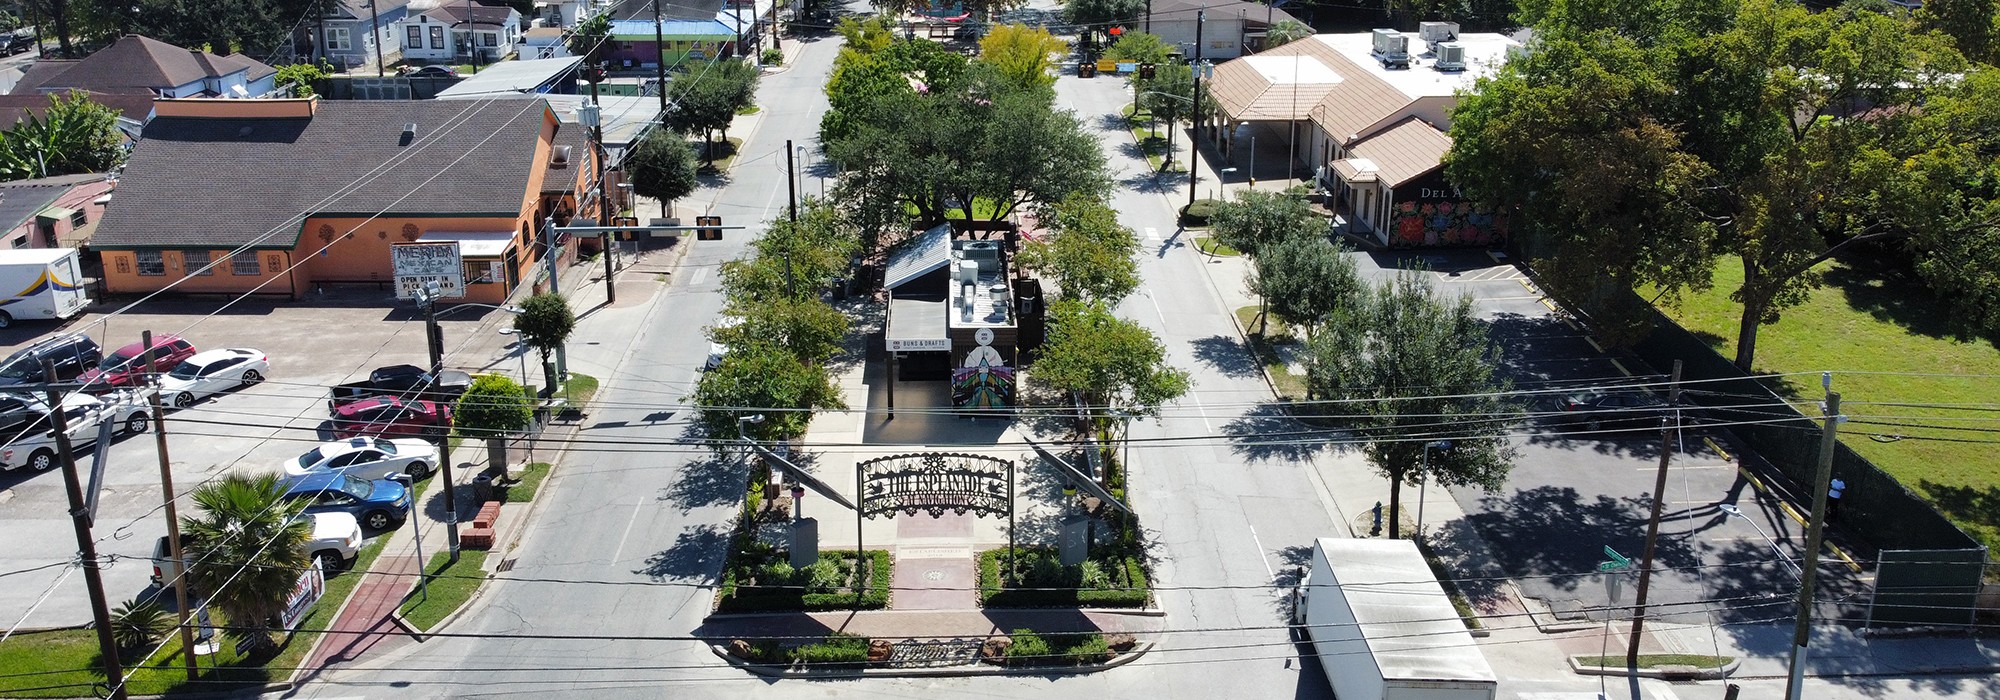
(1115,31)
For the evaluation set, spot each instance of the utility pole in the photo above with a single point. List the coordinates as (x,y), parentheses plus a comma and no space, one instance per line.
(472,36)
(792,191)
(167,497)
(660,59)
(1149,16)
(435,335)
(375,31)
(595,75)
(86,546)
(1808,577)
(1667,426)
(1194,137)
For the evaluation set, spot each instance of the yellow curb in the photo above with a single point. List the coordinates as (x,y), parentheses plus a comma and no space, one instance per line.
(1793,512)
(1718,449)
(1551,305)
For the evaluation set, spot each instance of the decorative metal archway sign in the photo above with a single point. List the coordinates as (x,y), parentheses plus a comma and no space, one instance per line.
(934,482)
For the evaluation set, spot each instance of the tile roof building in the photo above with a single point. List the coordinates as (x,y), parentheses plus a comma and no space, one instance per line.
(136,65)
(305,192)
(1375,134)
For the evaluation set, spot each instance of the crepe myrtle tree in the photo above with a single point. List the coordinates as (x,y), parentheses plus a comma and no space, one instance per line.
(491,409)
(545,323)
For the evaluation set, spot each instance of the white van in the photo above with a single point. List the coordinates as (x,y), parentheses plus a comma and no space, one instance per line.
(40,283)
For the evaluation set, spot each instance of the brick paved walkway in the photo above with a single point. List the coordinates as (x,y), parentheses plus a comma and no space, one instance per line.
(364,625)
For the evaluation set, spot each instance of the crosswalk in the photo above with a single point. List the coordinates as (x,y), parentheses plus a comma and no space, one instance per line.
(1498,273)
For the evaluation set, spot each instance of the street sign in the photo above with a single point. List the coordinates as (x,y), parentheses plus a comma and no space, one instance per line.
(1616,558)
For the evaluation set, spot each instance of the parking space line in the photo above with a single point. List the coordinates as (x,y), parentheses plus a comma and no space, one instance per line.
(1152,234)
(1526,296)
(1595,346)
(1689,466)
(1619,365)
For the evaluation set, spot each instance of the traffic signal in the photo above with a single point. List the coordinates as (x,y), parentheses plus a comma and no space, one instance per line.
(1145,71)
(631,221)
(707,234)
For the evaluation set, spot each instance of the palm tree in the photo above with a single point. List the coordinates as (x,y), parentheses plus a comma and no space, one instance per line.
(1285,32)
(247,550)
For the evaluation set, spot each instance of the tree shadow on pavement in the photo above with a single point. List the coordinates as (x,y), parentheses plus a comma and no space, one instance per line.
(697,553)
(1154,183)
(1226,354)
(709,481)
(1555,536)
(1270,432)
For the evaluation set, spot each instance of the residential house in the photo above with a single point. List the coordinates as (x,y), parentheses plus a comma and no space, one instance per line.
(136,65)
(559,14)
(300,193)
(353,29)
(545,42)
(1372,126)
(461,33)
(133,110)
(1232,27)
(51,212)
(634,45)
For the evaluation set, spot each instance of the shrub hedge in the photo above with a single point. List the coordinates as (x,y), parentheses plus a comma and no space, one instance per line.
(746,563)
(1031,648)
(1124,583)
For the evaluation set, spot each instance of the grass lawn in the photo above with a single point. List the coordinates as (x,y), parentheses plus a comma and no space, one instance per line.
(725,155)
(1658,660)
(453,584)
(1262,334)
(579,388)
(1152,138)
(1209,245)
(748,110)
(531,481)
(63,663)
(1872,321)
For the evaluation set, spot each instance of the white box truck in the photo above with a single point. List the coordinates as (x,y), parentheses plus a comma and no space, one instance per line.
(40,283)
(1384,629)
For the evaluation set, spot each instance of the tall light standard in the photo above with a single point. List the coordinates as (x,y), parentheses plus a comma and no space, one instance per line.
(410,492)
(1425,485)
(520,351)
(427,297)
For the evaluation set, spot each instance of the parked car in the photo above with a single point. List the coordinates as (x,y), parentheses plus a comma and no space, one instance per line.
(367,458)
(34,446)
(17,411)
(380,504)
(128,364)
(716,351)
(401,381)
(71,353)
(1604,409)
(388,415)
(432,72)
(209,373)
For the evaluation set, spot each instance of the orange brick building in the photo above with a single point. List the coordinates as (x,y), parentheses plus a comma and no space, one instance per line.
(279,196)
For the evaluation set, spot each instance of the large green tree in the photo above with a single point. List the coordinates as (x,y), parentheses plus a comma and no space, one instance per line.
(246,550)
(1100,15)
(75,135)
(1256,222)
(808,328)
(1140,47)
(591,37)
(706,98)
(1088,254)
(1023,56)
(1107,360)
(1408,366)
(663,167)
(793,259)
(545,323)
(1305,280)
(762,379)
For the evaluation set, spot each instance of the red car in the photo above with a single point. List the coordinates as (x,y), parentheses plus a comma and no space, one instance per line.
(388,415)
(127,366)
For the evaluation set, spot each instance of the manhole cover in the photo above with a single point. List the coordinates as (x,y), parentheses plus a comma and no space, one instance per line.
(934,575)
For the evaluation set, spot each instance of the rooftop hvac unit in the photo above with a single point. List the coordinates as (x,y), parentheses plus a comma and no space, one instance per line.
(1437,32)
(1451,56)
(1391,48)
(986,253)
(968,272)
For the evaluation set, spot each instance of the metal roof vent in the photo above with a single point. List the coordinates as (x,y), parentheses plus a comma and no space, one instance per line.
(559,157)
(409,134)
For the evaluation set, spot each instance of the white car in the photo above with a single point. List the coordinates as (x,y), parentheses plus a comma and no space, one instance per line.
(33,444)
(368,458)
(212,372)
(336,539)
(717,350)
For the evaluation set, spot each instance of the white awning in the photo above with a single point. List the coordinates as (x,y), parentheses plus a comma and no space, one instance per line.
(476,244)
(916,326)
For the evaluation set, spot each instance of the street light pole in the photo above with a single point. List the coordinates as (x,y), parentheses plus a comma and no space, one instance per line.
(1194,136)
(428,297)
(410,488)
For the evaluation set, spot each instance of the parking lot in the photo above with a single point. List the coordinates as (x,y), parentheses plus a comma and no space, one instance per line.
(1574,492)
(312,344)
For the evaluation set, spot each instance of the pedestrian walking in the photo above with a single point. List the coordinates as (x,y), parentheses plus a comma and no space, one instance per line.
(1833,498)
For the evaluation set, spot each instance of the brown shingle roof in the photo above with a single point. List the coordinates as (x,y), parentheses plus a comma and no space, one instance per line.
(1247,94)
(481,15)
(229,182)
(563,179)
(1253,12)
(1404,152)
(136,63)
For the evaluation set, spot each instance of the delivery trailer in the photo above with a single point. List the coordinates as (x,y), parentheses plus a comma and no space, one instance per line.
(1384,629)
(40,283)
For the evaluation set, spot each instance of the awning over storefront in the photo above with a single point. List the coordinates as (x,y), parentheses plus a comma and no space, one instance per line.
(476,244)
(1352,170)
(916,326)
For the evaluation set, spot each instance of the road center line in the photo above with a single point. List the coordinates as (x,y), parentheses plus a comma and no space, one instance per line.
(619,553)
(1260,553)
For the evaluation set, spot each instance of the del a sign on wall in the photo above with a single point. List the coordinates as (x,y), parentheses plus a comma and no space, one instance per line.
(418,263)
(919,344)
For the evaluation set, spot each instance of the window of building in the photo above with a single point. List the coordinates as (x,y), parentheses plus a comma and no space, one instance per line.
(489,38)
(78,219)
(245,263)
(413,37)
(20,241)
(437,37)
(338,39)
(195,260)
(484,271)
(151,262)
